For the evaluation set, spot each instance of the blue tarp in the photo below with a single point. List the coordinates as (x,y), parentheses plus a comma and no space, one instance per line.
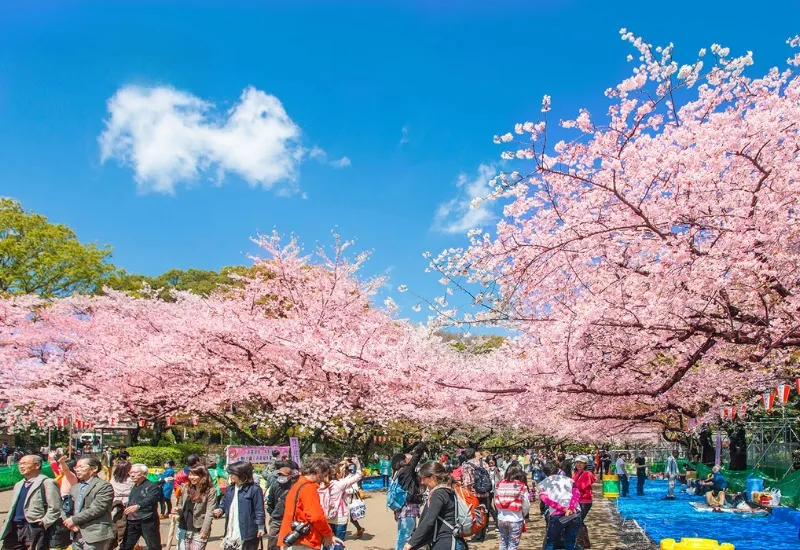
(677,519)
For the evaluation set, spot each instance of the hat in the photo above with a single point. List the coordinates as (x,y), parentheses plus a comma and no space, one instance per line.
(457,474)
(582,458)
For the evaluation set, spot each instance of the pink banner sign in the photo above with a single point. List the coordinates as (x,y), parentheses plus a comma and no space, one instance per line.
(256,455)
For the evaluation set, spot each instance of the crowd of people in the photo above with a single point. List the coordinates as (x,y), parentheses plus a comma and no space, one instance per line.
(444,503)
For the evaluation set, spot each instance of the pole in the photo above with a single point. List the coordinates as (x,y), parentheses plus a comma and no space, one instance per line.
(49,442)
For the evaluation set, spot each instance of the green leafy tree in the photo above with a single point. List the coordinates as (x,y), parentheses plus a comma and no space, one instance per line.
(197,281)
(40,257)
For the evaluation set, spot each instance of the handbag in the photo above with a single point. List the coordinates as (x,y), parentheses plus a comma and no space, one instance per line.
(358,509)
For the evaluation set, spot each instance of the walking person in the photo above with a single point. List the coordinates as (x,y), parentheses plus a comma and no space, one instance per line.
(196,506)
(560,495)
(303,506)
(385,468)
(122,484)
(512,505)
(35,507)
(141,514)
(93,497)
(286,474)
(243,506)
(641,473)
(439,515)
(476,480)
(583,480)
(671,473)
(496,476)
(405,472)
(167,481)
(623,475)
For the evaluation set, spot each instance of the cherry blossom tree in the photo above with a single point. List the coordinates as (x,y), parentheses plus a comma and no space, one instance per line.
(649,258)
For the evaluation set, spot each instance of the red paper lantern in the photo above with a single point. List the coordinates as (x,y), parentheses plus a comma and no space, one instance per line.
(742,411)
(768,399)
(169,421)
(195,421)
(142,423)
(783,393)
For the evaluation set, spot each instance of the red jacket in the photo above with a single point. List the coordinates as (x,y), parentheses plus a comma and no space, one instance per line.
(583,481)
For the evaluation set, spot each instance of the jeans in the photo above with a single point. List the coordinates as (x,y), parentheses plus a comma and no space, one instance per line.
(339,531)
(585,507)
(554,530)
(624,485)
(405,526)
(640,484)
(510,533)
(671,487)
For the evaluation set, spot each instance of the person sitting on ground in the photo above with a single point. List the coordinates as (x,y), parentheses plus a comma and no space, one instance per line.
(716,496)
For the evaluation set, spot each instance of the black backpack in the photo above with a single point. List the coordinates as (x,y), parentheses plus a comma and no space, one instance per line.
(483,483)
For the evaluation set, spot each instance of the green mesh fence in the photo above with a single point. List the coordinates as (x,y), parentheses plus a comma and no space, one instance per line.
(10,475)
(790,489)
(657,466)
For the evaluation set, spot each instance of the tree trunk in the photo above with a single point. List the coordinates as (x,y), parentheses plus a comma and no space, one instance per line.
(707,450)
(234,427)
(738,446)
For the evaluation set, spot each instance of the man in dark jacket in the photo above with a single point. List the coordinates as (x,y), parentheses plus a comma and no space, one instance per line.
(286,474)
(93,498)
(141,513)
(405,470)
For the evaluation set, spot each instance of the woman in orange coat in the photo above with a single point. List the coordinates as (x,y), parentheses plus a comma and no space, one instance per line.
(303,506)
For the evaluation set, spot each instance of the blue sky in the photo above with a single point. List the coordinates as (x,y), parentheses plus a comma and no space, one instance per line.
(382,109)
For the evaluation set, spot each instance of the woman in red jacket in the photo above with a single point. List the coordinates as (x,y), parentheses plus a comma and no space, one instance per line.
(583,480)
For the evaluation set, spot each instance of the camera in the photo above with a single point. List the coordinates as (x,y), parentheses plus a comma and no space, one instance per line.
(299,530)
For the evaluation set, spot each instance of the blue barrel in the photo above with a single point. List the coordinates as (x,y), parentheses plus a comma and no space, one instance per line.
(754,484)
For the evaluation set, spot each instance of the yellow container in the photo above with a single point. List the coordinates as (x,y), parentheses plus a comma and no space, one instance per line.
(695,544)
(691,474)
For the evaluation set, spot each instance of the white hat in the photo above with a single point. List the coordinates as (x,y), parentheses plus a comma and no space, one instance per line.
(582,458)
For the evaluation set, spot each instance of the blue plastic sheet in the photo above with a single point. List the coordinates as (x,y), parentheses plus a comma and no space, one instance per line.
(677,519)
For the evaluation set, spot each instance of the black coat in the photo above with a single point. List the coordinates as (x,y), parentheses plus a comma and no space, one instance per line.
(251,509)
(431,530)
(276,500)
(408,478)
(145,495)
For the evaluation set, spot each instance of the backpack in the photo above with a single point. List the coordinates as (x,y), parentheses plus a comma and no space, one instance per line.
(397,495)
(470,515)
(483,483)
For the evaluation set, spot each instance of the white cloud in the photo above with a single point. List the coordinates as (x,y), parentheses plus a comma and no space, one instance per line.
(169,136)
(457,215)
(404,135)
(319,154)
